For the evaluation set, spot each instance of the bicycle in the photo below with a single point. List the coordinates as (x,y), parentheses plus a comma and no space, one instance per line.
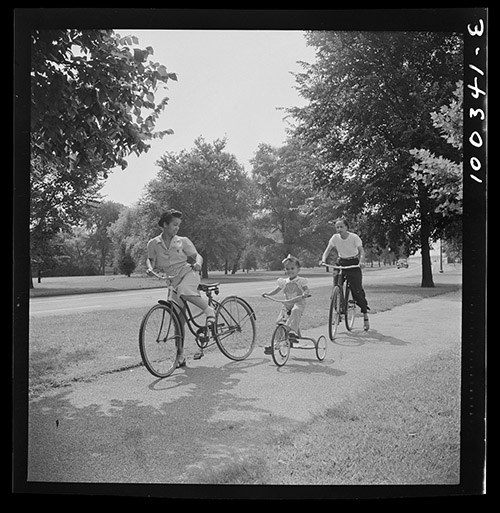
(341,302)
(281,342)
(162,331)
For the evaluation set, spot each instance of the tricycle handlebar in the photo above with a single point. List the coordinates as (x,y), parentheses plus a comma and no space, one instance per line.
(267,296)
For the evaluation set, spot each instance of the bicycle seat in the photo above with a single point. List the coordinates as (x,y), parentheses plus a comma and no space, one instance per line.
(205,287)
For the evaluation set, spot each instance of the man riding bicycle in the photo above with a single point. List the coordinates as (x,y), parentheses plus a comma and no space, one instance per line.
(349,248)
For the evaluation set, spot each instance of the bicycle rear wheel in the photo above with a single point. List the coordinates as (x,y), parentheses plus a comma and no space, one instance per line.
(350,309)
(159,339)
(235,328)
(280,345)
(335,310)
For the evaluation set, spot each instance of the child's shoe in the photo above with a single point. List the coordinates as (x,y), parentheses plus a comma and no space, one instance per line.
(292,336)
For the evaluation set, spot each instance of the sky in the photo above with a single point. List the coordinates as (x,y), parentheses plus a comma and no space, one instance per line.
(230,84)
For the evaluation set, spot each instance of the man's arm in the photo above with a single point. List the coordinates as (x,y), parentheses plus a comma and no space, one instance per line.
(361,255)
(327,251)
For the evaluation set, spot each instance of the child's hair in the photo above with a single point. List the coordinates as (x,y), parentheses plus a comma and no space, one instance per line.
(168,216)
(291,258)
(342,220)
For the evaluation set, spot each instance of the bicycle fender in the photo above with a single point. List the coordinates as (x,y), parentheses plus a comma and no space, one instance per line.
(243,301)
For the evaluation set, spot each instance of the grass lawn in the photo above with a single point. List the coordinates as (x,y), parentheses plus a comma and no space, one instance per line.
(397,433)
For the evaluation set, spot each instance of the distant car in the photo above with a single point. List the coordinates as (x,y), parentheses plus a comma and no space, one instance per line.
(401,263)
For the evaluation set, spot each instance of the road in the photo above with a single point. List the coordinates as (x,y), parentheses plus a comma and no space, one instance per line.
(60,305)
(129,427)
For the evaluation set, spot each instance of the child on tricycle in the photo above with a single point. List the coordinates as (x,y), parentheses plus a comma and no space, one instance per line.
(287,332)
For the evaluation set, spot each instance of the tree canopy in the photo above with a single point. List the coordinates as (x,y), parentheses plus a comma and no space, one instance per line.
(379,140)
(211,189)
(93,102)
(370,95)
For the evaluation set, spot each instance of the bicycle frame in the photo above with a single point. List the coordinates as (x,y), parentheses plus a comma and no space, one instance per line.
(185,314)
(342,283)
(233,330)
(189,319)
(340,288)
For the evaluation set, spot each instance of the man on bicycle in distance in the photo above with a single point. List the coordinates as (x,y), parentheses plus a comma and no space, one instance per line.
(349,248)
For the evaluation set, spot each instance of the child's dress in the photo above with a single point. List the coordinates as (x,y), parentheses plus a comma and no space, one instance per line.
(291,315)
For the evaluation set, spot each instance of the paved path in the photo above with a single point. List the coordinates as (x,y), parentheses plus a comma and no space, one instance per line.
(130,427)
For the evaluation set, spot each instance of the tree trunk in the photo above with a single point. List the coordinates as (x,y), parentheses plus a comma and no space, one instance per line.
(103,262)
(204,265)
(425,233)
(427,280)
(236,263)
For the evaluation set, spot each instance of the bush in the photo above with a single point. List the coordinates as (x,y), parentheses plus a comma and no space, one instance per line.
(126,263)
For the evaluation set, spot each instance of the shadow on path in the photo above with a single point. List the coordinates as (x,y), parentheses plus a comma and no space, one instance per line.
(359,338)
(155,440)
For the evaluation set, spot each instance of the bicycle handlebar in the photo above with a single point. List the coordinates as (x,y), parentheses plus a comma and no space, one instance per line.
(340,267)
(166,278)
(161,277)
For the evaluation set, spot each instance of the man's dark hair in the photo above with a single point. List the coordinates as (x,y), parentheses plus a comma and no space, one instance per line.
(342,220)
(168,216)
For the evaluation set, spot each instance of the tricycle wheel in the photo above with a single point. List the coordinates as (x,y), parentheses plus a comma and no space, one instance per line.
(321,348)
(280,345)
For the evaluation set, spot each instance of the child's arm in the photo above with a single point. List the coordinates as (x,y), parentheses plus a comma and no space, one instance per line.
(273,292)
(305,293)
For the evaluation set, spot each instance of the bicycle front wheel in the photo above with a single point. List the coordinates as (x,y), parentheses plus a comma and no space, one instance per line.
(280,345)
(235,330)
(160,336)
(350,309)
(335,310)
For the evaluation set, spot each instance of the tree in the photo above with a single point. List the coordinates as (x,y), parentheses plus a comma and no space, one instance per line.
(99,219)
(283,179)
(442,176)
(92,104)
(133,228)
(93,99)
(72,254)
(370,96)
(211,189)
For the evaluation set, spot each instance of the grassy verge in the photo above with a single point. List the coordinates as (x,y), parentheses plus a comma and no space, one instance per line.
(57,286)
(398,432)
